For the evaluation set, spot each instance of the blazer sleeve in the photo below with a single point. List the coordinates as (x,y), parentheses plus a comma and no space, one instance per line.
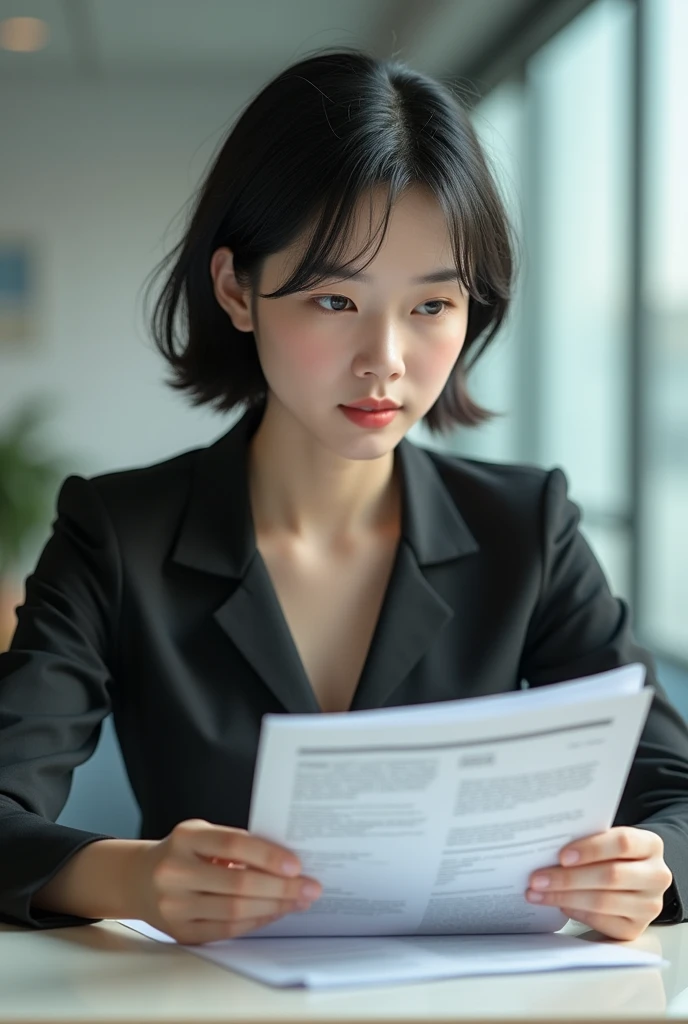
(578,628)
(55,686)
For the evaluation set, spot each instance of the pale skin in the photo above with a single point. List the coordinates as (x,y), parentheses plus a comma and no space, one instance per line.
(617,884)
(317,479)
(322,487)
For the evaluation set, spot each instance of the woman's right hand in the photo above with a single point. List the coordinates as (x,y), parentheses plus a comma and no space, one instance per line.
(205,882)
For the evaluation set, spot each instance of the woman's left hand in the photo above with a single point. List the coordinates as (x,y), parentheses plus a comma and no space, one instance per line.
(617,885)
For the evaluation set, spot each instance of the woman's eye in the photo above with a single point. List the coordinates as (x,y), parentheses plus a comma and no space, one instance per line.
(444,306)
(342,300)
(326,298)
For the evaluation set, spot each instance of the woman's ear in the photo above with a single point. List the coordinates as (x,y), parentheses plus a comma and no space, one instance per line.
(235,300)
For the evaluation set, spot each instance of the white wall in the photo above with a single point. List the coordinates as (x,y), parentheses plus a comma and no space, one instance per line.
(96,175)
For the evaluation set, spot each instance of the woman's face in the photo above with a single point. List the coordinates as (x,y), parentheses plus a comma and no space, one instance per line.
(387,336)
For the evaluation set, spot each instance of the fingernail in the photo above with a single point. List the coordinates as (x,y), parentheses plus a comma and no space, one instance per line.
(303,904)
(540,882)
(535,897)
(310,890)
(290,868)
(570,857)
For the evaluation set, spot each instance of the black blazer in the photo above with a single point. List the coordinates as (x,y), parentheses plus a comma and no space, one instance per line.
(151,600)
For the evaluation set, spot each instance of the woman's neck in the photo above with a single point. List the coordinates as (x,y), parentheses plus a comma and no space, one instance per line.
(302,491)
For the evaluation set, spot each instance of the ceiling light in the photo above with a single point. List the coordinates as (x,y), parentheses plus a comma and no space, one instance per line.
(23,35)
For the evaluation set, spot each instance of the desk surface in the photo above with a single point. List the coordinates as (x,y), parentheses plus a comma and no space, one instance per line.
(108,972)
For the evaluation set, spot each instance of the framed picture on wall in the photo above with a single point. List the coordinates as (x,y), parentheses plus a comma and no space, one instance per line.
(18,299)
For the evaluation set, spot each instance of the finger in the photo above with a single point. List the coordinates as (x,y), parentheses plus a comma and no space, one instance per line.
(619,843)
(198,932)
(234,844)
(618,903)
(636,876)
(221,908)
(614,927)
(256,884)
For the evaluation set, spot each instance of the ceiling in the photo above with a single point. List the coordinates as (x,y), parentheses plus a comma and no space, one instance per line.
(248,41)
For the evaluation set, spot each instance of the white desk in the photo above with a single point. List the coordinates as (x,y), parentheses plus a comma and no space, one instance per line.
(106,972)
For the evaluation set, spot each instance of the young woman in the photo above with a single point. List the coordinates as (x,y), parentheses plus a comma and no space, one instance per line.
(347,257)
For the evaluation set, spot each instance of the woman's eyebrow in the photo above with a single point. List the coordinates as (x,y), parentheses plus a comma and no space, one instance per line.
(438,276)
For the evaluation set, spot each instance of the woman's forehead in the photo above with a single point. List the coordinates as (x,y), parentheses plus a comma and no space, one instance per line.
(415,217)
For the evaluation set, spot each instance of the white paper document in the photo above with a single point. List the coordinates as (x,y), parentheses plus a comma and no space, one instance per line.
(330,963)
(423,824)
(428,820)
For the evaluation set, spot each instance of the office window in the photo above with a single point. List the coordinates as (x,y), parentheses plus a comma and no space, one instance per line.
(664,569)
(581,93)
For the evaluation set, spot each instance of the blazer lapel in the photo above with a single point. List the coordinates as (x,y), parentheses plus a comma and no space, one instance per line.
(217,536)
(253,619)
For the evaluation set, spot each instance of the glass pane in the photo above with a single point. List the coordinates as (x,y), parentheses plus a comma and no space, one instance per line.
(664,594)
(611,545)
(582,85)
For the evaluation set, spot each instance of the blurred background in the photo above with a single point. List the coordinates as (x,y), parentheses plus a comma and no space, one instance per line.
(109,113)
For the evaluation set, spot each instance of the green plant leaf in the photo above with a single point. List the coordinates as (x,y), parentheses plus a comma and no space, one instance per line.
(29,478)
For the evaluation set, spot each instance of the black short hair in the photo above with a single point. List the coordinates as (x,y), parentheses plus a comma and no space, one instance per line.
(317,138)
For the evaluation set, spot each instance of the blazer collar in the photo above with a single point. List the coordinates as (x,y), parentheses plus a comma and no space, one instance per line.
(217,534)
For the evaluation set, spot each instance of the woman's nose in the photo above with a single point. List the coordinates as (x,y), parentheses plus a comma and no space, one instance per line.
(381,351)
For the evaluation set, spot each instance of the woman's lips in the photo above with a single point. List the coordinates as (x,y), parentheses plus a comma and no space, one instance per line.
(369,419)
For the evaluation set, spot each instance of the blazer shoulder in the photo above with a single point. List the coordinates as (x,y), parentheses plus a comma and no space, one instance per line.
(144,490)
(505,503)
(502,484)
